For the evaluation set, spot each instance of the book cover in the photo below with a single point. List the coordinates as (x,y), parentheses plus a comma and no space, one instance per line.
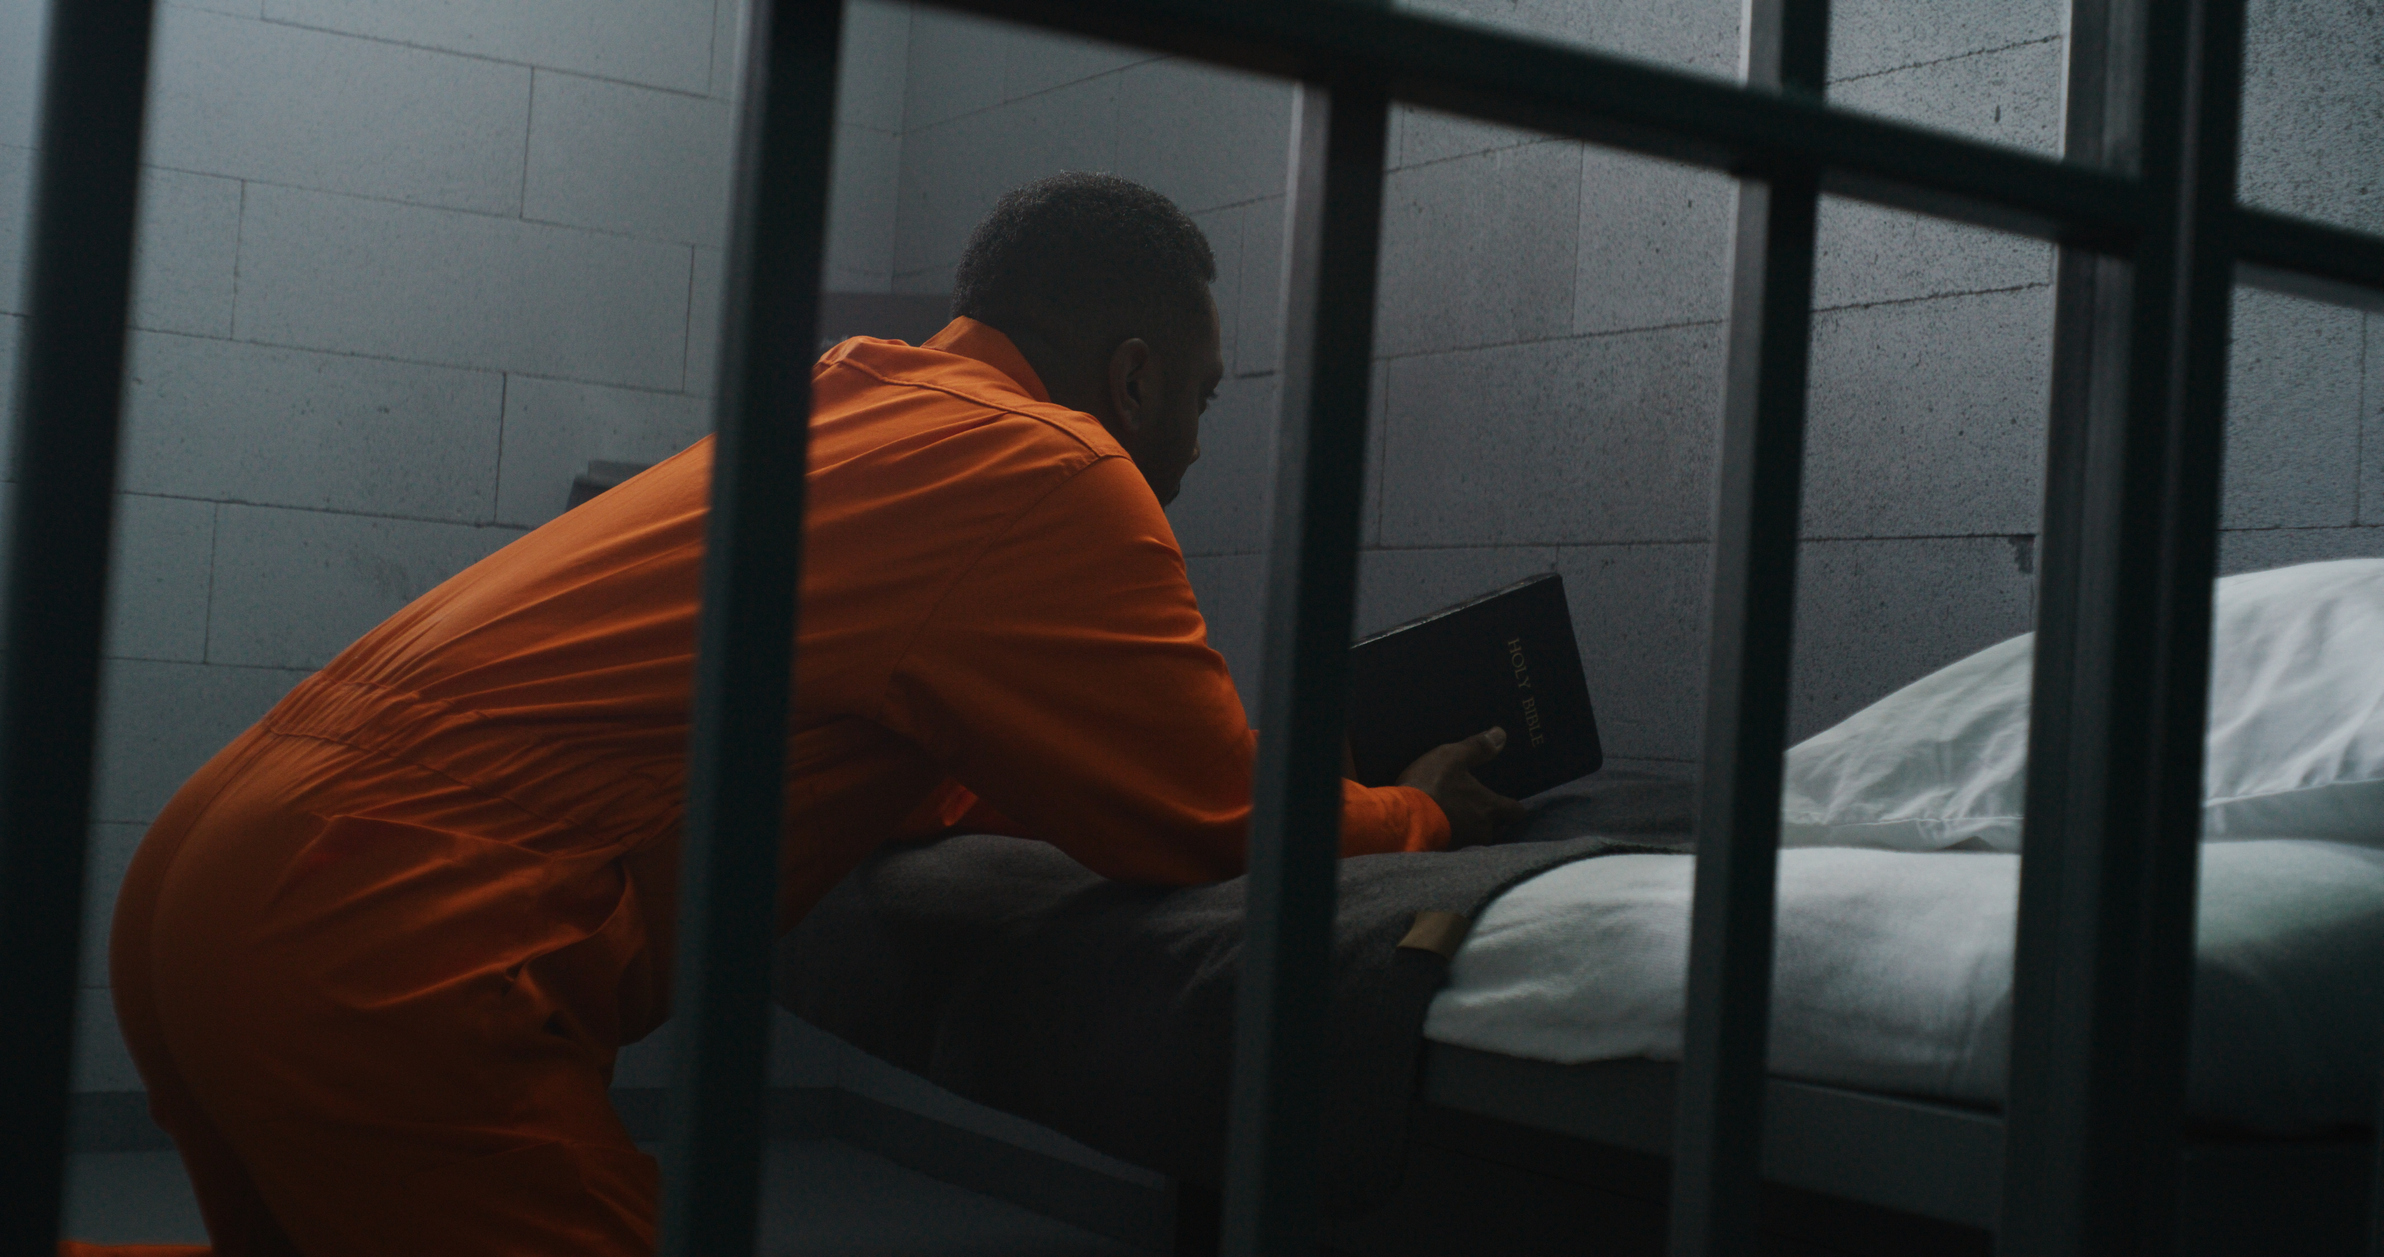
(1507,658)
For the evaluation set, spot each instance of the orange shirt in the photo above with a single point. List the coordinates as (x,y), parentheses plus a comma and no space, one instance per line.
(995,624)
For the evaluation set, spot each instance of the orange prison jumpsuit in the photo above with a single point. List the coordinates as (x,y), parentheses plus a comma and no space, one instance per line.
(375,958)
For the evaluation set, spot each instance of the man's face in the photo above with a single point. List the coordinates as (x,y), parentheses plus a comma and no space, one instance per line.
(1188,374)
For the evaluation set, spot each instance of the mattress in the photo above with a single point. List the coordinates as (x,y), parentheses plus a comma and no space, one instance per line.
(1893,973)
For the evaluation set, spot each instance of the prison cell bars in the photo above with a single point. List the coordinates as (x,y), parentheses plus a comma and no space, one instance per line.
(1271,1207)
(746,629)
(2139,434)
(2103,972)
(69,387)
(1331,232)
(1717,1145)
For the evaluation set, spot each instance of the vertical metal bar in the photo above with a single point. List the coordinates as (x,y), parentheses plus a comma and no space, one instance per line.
(1717,1162)
(2104,965)
(745,651)
(2091,326)
(69,395)
(2375,1225)
(2375,1186)
(1330,244)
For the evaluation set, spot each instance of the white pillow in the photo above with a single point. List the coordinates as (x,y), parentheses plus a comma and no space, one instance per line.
(2296,730)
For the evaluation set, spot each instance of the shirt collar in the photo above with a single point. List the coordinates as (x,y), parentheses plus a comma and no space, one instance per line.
(970,339)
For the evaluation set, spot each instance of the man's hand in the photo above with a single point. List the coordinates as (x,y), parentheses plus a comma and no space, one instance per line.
(1446,773)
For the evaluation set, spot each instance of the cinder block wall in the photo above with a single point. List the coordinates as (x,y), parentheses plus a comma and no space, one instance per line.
(1551,331)
(404,270)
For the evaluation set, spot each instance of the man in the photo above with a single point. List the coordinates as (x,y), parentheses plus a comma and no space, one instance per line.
(375,958)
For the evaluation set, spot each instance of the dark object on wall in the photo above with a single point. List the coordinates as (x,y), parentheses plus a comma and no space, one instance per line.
(600,476)
(901,316)
(1507,658)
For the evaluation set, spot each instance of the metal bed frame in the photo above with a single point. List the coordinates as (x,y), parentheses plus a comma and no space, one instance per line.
(1898,1175)
(2152,238)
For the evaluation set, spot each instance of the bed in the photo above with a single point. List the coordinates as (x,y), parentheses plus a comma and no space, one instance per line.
(1883,1134)
(1516,1096)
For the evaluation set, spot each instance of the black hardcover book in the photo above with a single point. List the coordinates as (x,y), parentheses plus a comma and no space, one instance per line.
(1507,658)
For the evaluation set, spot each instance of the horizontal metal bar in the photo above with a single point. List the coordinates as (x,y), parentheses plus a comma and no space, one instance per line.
(70,393)
(1623,103)
(2303,258)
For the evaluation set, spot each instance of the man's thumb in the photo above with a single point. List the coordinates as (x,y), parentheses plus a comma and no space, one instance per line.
(1483,747)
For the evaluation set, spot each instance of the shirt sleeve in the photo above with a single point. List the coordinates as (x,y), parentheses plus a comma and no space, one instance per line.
(1066,682)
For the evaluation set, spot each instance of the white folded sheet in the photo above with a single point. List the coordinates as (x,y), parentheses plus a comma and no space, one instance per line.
(1893,973)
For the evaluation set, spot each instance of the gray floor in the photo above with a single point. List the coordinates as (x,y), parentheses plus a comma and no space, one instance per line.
(819,1197)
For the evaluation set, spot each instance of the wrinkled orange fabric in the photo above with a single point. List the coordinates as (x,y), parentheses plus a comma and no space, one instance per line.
(375,958)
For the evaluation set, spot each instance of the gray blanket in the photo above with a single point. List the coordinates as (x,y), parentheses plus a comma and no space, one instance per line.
(1002,970)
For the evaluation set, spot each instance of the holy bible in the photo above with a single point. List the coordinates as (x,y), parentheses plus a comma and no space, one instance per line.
(1507,658)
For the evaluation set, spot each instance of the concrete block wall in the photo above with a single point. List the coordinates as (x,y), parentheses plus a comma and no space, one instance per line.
(1550,338)
(2305,438)
(1925,469)
(1551,334)
(404,270)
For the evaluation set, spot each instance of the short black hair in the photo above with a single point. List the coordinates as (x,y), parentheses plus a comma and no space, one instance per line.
(1081,256)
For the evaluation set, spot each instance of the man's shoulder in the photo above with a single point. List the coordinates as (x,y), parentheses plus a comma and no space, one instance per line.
(957,440)
(938,388)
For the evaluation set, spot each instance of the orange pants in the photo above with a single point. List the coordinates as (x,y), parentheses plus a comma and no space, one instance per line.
(350,985)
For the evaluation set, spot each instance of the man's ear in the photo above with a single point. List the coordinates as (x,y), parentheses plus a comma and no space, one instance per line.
(1132,382)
